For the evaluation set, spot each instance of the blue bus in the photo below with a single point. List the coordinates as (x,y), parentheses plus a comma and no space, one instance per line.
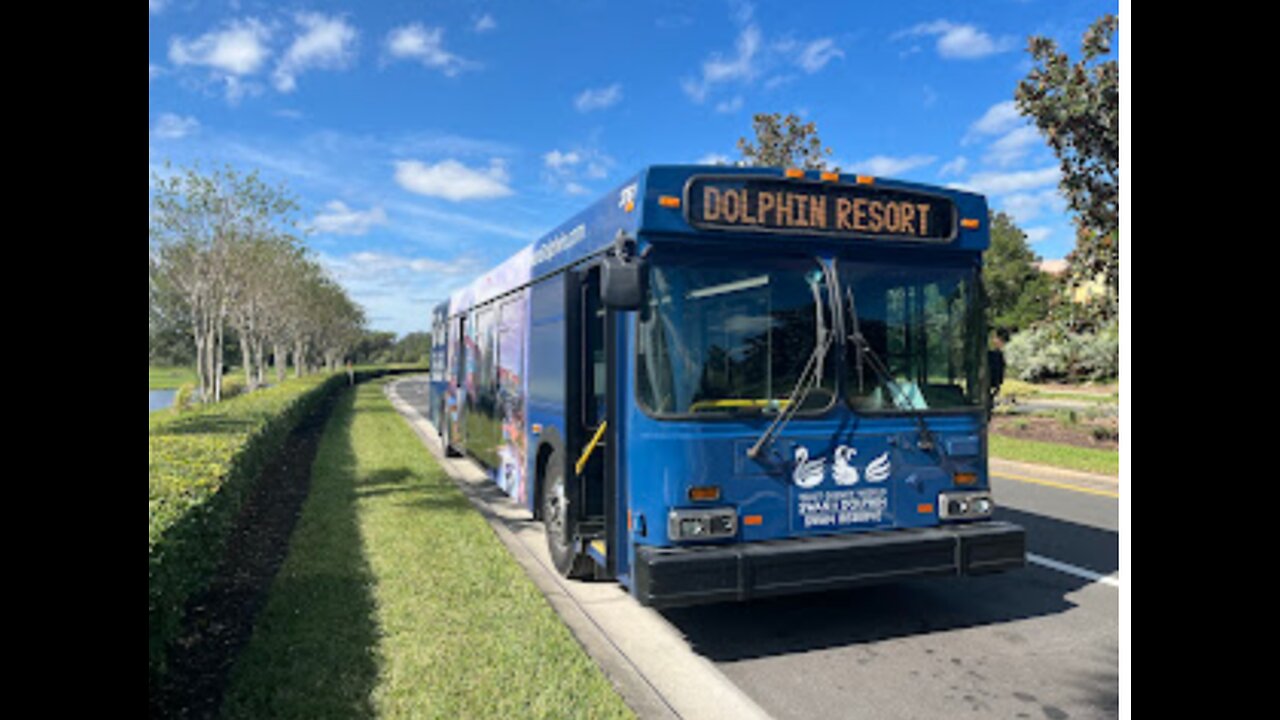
(720,383)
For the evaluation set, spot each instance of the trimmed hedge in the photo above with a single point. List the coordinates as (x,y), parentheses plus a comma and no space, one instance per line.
(201,466)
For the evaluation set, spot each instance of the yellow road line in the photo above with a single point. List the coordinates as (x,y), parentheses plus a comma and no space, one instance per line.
(1058,485)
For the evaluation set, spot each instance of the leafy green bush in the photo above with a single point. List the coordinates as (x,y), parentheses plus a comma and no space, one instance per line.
(201,466)
(1048,351)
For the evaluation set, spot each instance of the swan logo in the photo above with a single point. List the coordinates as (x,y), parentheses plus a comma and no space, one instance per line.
(809,474)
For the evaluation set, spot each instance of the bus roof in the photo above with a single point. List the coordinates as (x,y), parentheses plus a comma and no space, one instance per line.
(706,201)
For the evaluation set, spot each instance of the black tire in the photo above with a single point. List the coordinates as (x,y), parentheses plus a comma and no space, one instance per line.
(557,518)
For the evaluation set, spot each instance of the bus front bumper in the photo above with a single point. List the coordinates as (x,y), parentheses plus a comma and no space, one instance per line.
(689,575)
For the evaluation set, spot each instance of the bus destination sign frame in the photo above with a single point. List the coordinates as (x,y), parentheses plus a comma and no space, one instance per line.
(752,203)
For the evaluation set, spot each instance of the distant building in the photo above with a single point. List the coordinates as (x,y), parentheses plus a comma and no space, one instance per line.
(1056,268)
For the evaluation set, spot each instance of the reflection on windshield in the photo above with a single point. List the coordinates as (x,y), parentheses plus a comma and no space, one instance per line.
(731,337)
(924,325)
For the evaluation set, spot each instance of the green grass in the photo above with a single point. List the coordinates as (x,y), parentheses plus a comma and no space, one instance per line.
(397,599)
(1106,462)
(169,378)
(1026,390)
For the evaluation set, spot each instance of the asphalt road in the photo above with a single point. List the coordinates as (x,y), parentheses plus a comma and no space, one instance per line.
(1040,642)
(1034,643)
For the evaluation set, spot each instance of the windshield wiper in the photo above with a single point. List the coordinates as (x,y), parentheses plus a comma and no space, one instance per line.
(899,395)
(810,376)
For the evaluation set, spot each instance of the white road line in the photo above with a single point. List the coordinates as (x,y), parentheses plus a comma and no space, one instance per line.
(1073,570)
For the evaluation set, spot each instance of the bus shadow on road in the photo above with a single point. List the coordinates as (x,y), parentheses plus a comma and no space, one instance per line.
(726,632)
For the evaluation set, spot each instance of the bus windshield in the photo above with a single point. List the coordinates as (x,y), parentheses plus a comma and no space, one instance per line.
(729,336)
(923,327)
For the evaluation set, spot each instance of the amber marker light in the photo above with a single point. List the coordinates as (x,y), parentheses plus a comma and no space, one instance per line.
(669,201)
(830,176)
(925,508)
(866,180)
(970,223)
(965,478)
(704,493)
(752,519)
(795,173)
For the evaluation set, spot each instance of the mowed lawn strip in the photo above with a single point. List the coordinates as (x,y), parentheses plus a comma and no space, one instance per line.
(397,600)
(1105,462)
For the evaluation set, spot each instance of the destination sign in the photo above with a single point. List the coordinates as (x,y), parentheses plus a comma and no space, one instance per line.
(768,204)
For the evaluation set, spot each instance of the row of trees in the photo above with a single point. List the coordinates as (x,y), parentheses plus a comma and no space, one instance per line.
(224,258)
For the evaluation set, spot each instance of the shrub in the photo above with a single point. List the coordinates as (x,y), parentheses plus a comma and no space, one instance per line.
(201,466)
(1047,351)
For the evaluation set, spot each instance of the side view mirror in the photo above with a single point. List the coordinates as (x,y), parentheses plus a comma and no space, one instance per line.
(622,283)
(995,366)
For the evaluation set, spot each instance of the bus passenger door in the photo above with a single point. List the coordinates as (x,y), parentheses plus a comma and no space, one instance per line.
(589,434)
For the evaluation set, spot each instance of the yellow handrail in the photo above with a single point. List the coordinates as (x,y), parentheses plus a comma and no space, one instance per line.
(586,454)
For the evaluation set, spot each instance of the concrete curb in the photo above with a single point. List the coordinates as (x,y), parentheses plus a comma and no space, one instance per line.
(1048,471)
(648,661)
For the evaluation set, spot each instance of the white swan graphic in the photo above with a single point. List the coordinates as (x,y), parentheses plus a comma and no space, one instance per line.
(841,471)
(808,473)
(878,469)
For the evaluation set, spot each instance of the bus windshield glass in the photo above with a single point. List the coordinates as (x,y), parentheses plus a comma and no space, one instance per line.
(728,336)
(922,326)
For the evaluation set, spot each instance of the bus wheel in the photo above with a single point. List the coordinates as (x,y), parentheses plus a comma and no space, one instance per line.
(557,517)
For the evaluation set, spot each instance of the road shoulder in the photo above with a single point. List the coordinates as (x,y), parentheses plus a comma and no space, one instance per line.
(1054,476)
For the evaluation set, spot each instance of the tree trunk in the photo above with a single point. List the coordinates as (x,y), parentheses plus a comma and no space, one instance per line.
(217,365)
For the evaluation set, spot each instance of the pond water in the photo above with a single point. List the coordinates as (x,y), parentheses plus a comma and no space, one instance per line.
(160,399)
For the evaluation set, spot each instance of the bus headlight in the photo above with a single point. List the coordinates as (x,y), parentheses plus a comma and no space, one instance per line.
(702,523)
(965,505)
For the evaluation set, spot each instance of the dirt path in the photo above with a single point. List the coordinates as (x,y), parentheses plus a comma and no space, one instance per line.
(219,621)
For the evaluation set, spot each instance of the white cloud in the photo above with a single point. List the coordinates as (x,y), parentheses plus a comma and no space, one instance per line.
(1037,234)
(565,169)
(338,219)
(955,166)
(960,42)
(996,183)
(153,71)
(239,48)
(714,159)
(598,98)
(174,127)
(451,180)
(425,45)
(817,54)
(730,106)
(1027,206)
(485,23)
(718,70)
(997,120)
(323,42)
(374,265)
(556,159)
(1013,146)
(884,165)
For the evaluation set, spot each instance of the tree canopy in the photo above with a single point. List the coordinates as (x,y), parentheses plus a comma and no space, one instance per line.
(1018,293)
(1077,108)
(223,257)
(784,142)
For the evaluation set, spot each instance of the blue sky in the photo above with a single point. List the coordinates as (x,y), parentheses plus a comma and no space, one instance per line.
(428,141)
